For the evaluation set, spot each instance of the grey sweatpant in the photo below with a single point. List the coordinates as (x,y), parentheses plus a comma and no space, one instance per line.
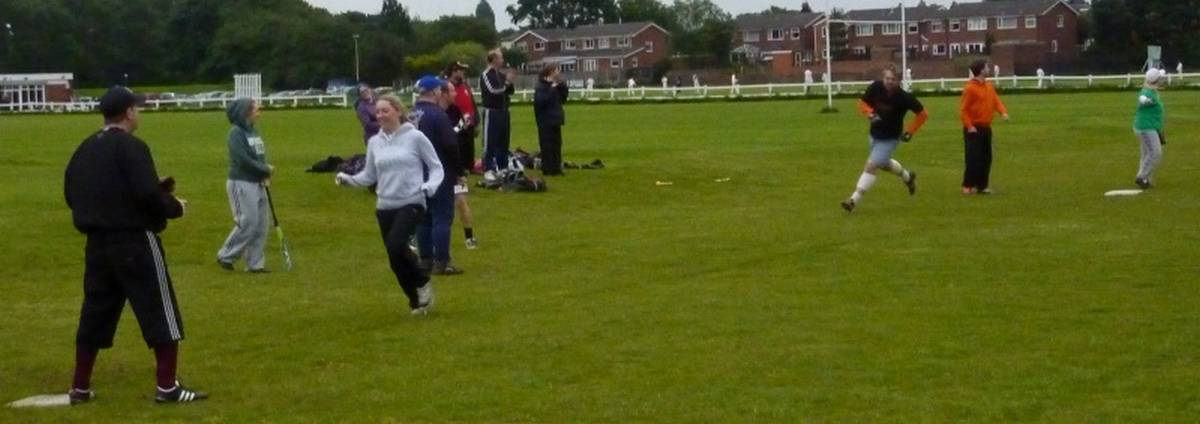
(1152,151)
(248,201)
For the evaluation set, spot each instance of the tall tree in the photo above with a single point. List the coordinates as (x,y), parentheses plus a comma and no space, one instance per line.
(647,11)
(692,15)
(484,12)
(562,13)
(805,8)
(395,19)
(1123,29)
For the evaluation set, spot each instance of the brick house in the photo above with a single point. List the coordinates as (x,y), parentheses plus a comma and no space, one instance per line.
(1017,35)
(608,53)
(787,42)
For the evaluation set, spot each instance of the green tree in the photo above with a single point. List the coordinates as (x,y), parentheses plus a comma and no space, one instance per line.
(1123,29)
(515,58)
(692,15)
(562,13)
(473,54)
(648,11)
(484,12)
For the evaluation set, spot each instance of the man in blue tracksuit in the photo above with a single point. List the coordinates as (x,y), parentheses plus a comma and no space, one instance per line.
(433,235)
(497,90)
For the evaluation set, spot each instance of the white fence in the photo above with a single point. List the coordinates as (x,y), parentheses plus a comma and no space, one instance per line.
(182,104)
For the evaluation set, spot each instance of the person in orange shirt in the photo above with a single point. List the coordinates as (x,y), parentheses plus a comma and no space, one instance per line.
(885,104)
(980,104)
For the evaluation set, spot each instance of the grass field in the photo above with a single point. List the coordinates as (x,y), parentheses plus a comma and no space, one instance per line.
(613,299)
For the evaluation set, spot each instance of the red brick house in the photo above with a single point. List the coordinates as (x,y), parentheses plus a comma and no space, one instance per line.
(1017,35)
(609,53)
(787,42)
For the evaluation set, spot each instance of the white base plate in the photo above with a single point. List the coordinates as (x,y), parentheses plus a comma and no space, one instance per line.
(1116,193)
(42,401)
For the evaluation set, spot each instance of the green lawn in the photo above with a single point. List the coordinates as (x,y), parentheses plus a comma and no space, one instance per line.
(613,299)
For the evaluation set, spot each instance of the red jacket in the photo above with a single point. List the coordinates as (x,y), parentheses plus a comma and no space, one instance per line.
(465,102)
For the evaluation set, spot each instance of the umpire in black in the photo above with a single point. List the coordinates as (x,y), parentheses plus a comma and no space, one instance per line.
(118,201)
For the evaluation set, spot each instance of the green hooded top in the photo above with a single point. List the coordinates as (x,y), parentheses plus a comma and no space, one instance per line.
(247,153)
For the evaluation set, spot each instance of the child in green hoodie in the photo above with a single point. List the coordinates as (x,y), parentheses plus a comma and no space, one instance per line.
(249,174)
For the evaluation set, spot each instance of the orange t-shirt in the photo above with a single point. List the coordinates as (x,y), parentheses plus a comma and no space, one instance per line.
(980,103)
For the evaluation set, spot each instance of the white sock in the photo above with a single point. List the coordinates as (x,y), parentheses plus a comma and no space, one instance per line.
(864,183)
(896,168)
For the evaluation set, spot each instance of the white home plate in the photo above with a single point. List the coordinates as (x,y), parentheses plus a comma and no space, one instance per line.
(42,401)
(1116,193)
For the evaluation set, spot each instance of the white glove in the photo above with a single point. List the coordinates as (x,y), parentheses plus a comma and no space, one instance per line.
(341,179)
(1145,101)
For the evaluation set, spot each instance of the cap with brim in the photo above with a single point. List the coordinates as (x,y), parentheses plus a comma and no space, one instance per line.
(118,100)
(429,83)
(459,66)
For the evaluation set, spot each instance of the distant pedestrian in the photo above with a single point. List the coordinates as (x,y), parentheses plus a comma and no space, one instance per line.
(249,176)
(365,107)
(1148,126)
(980,104)
(548,102)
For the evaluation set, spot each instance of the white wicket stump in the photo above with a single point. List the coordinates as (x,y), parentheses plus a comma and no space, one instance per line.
(1122,193)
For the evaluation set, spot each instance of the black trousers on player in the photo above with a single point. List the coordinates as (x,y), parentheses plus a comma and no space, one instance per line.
(496,138)
(978,148)
(550,141)
(466,149)
(398,226)
(120,266)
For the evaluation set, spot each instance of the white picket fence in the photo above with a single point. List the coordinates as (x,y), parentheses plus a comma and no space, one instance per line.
(183,104)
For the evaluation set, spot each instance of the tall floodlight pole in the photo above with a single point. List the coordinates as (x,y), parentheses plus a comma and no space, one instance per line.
(904,45)
(828,55)
(356,74)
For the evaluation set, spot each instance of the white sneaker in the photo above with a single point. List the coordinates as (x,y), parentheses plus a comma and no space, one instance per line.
(489,176)
(425,296)
(472,244)
(419,312)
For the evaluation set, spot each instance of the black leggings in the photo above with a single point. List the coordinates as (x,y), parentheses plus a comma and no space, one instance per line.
(397,226)
(978,148)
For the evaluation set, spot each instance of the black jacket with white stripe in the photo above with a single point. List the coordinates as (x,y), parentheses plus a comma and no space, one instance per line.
(111,185)
(496,89)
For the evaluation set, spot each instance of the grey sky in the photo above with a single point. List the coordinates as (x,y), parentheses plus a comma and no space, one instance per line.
(431,9)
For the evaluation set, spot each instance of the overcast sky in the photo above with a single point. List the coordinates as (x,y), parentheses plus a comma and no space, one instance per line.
(432,9)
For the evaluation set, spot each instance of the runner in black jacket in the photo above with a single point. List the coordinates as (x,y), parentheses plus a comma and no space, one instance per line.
(117,200)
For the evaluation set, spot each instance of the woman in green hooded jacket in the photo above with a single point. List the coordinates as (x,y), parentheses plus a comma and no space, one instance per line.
(249,175)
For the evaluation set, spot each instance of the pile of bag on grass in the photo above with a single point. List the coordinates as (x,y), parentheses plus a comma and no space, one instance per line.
(353,165)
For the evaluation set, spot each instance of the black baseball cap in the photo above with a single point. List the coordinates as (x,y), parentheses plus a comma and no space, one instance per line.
(119,99)
(459,66)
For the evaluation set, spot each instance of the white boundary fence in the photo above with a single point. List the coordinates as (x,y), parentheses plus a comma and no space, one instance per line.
(184,104)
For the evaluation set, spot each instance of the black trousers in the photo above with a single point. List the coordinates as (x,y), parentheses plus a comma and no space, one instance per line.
(550,140)
(120,266)
(397,226)
(496,138)
(978,148)
(466,149)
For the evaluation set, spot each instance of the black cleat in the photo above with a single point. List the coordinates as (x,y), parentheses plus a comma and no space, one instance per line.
(911,183)
(179,394)
(848,205)
(442,268)
(80,396)
(228,266)
(1143,183)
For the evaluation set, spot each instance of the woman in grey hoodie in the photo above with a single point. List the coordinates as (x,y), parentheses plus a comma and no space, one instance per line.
(249,174)
(397,159)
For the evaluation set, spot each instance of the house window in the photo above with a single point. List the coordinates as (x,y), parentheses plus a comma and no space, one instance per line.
(624,42)
(939,49)
(649,47)
(860,50)
(615,63)
(750,36)
(571,45)
(806,57)
(797,59)
(633,63)
(589,44)
(974,47)
(1053,46)
(567,67)
(913,28)
(955,25)
(891,29)
(1062,20)
(603,43)
(864,30)
(955,48)
(539,45)
(775,35)
(795,33)
(590,66)
(523,47)
(825,53)
(977,24)
(1006,22)
(936,26)
(1031,21)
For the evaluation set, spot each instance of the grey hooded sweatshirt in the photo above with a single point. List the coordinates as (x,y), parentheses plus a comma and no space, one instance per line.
(247,153)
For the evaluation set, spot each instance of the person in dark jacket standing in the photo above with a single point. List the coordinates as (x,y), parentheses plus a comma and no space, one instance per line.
(497,90)
(366,112)
(464,100)
(118,201)
(249,175)
(433,235)
(548,102)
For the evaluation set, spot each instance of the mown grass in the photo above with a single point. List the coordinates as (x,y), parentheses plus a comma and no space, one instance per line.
(611,298)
